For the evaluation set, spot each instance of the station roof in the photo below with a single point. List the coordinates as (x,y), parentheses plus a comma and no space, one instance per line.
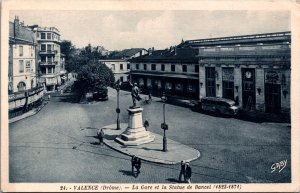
(172,55)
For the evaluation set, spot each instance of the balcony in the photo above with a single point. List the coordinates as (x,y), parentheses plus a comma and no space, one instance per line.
(49,63)
(48,52)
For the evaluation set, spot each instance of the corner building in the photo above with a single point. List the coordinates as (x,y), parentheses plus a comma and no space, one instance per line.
(253,70)
(51,61)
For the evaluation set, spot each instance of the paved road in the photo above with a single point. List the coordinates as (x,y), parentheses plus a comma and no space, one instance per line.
(58,145)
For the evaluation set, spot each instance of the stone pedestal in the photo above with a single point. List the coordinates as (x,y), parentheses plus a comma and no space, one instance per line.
(135,134)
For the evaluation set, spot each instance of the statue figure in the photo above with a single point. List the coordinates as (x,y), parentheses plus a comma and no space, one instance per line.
(135,94)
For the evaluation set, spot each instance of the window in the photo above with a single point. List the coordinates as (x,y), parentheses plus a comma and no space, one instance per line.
(113,66)
(21,50)
(49,59)
(49,70)
(43,58)
(145,66)
(43,47)
(197,68)
(137,66)
(162,67)
(49,47)
(48,36)
(43,36)
(121,79)
(121,66)
(173,68)
(184,68)
(21,66)
(153,67)
(128,66)
(28,66)
(31,50)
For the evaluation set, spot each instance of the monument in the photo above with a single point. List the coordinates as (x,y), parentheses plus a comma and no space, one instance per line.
(135,134)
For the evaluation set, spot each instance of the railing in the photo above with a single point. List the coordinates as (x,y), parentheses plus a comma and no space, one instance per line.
(23,101)
(49,63)
(48,52)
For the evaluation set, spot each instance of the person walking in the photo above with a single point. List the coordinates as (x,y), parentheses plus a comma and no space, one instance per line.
(49,96)
(188,173)
(133,162)
(138,166)
(100,135)
(182,171)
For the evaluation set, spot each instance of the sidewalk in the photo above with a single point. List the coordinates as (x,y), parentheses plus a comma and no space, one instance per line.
(152,151)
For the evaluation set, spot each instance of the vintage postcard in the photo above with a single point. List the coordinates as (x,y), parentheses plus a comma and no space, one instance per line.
(150,96)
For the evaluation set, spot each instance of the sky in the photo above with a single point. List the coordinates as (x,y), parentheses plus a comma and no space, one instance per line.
(117,30)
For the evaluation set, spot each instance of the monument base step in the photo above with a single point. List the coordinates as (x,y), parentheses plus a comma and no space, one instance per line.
(135,141)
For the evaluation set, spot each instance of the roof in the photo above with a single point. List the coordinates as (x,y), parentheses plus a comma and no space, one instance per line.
(25,35)
(275,37)
(173,55)
(127,53)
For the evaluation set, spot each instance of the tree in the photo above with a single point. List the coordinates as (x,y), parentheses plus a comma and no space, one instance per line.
(94,76)
(68,49)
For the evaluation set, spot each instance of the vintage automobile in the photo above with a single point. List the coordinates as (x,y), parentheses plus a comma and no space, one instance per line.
(217,105)
(100,94)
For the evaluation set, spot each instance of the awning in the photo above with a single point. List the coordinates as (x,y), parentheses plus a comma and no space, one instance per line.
(167,75)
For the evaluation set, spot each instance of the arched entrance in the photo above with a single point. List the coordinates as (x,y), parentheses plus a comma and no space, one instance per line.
(21,86)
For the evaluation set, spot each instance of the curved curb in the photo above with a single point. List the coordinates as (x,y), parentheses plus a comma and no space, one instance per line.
(150,152)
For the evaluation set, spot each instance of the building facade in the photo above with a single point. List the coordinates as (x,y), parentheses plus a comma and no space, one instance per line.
(253,70)
(50,60)
(24,91)
(22,57)
(119,62)
(173,71)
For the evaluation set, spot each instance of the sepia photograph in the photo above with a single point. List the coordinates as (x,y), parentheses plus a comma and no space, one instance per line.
(115,96)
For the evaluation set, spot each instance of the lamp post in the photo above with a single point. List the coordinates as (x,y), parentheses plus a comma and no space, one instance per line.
(117,87)
(164,126)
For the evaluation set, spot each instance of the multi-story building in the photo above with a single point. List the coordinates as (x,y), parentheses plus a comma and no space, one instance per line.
(174,71)
(22,57)
(23,89)
(51,64)
(254,70)
(119,62)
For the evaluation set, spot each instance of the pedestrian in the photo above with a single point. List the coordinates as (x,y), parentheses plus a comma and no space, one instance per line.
(182,171)
(49,97)
(100,135)
(138,165)
(188,173)
(133,162)
(146,125)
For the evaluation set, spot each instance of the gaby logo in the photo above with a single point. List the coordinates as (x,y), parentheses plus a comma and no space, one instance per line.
(278,166)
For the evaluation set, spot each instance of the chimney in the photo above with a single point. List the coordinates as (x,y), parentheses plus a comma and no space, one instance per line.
(175,50)
(152,49)
(149,51)
(16,26)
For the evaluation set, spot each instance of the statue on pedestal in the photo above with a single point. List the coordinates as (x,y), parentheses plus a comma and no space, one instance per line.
(135,94)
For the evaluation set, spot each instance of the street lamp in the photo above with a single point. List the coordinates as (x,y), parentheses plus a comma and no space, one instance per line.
(117,87)
(164,126)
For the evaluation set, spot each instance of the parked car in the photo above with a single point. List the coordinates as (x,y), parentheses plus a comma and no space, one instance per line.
(218,105)
(101,94)
(126,86)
